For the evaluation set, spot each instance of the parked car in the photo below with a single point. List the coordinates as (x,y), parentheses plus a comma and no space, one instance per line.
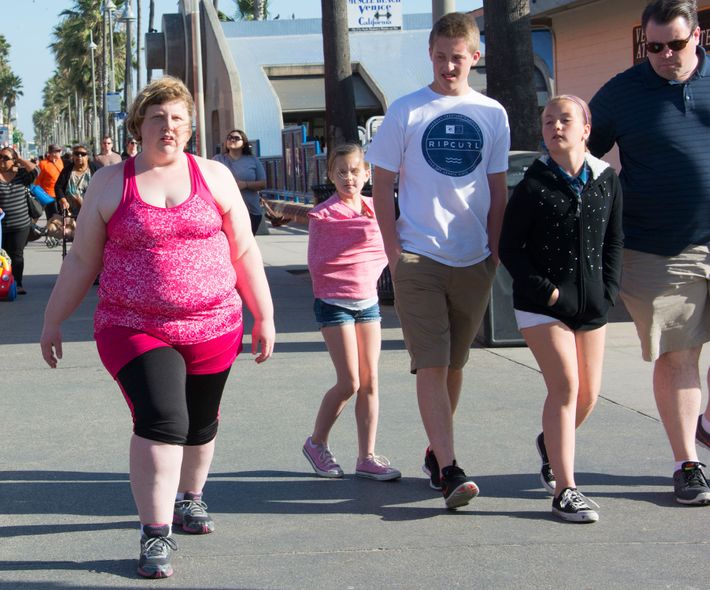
(518,163)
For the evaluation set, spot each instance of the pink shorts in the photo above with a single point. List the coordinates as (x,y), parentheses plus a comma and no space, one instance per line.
(119,345)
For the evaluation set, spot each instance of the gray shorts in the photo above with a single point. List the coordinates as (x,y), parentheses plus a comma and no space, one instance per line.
(668,298)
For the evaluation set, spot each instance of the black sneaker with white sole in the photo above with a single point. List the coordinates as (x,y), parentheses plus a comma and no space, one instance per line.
(457,487)
(571,505)
(431,468)
(691,485)
(547,477)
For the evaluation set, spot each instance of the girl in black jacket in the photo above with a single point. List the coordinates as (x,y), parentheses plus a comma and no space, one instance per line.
(562,243)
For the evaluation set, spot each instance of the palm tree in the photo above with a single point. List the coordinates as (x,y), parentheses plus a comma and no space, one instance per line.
(506,20)
(10,83)
(252,9)
(4,50)
(10,90)
(67,95)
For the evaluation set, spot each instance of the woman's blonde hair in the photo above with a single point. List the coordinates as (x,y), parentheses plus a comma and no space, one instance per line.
(160,91)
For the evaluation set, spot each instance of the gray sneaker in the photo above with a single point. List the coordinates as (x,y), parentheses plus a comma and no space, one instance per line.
(691,486)
(192,516)
(156,547)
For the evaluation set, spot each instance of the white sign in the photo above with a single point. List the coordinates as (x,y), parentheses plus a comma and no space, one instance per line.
(5,138)
(113,102)
(374,15)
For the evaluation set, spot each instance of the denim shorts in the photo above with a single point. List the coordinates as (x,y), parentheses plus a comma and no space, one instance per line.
(328,315)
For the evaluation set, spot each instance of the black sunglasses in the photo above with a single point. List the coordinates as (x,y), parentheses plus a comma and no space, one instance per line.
(234,138)
(675,45)
(5,158)
(80,154)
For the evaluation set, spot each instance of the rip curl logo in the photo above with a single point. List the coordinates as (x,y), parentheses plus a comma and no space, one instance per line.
(452,144)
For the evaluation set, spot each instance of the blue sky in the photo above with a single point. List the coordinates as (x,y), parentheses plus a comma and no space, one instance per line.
(28,29)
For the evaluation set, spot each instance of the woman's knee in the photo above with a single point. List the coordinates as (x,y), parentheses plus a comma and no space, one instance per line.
(564,391)
(161,427)
(202,435)
(348,387)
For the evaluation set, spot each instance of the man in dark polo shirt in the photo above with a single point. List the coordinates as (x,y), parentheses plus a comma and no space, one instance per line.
(658,113)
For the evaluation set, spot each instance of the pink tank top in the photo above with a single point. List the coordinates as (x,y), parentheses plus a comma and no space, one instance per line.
(167,272)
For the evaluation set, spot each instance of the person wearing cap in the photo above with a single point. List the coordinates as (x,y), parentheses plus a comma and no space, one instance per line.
(49,170)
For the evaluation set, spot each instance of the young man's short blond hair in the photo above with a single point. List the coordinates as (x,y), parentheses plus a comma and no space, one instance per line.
(160,91)
(457,25)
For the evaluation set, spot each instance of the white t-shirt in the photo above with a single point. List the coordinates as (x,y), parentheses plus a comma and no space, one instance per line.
(443,148)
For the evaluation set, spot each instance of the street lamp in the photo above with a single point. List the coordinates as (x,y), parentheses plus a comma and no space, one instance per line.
(128,18)
(110,7)
(94,121)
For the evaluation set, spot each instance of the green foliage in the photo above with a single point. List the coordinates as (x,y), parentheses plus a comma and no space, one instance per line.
(18,137)
(245,9)
(70,84)
(10,83)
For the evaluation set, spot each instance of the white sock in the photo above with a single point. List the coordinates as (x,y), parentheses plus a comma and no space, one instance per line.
(706,423)
(179,496)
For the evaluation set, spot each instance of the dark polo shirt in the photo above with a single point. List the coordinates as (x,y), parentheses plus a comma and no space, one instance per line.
(662,129)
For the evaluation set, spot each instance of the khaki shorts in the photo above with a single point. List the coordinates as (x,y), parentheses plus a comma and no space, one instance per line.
(440,308)
(668,299)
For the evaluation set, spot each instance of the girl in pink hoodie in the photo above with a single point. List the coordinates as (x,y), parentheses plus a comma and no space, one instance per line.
(345,258)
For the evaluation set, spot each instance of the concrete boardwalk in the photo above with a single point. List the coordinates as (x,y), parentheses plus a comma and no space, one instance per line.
(67,518)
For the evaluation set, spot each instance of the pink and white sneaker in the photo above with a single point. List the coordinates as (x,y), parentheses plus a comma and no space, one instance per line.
(376,467)
(321,459)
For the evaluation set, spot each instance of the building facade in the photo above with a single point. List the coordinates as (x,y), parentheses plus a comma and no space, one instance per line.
(593,40)
(262,76)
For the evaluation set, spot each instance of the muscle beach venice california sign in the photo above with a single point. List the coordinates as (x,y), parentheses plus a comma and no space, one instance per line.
(374,15)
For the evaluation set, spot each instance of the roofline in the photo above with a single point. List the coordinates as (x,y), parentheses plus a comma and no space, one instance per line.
(550,7)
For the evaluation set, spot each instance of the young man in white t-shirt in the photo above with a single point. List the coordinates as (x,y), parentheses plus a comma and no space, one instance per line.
(449,145)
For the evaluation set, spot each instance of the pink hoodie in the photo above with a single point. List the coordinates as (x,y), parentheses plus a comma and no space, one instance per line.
(346,254)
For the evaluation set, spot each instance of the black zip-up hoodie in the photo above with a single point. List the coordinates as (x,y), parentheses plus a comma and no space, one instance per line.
(553,238)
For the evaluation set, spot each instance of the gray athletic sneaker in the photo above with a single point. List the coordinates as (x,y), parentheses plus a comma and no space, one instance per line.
(691,486)
(156,547)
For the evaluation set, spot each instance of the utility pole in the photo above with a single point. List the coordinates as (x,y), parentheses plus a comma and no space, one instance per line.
(340,117)
(151,28)
(192,9)
(94,120)
(441,7)
(139,44)
(104,76)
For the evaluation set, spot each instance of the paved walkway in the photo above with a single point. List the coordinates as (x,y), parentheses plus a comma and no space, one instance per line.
(67,518)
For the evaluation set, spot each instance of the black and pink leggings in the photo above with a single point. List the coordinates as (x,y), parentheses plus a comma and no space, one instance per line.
(173,391)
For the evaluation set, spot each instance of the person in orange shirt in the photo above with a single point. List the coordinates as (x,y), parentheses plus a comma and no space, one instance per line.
(49,170)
